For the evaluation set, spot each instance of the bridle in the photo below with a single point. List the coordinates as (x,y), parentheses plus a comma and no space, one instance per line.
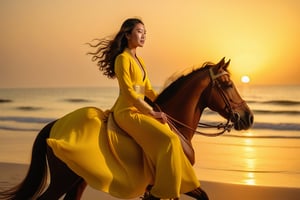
(228,107)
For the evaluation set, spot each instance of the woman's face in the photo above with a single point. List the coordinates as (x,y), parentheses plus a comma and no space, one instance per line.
(137,36)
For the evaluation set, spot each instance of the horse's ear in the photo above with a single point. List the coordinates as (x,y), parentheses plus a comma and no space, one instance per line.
(221,63)
(225,66)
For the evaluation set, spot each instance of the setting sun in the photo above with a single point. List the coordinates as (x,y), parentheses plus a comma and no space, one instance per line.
(245,79)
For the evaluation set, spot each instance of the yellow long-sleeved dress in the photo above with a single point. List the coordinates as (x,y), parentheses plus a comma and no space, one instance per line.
(110,160)
(173,172)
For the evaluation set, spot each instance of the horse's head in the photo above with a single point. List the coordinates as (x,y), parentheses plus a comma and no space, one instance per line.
(223,97)
(185,98)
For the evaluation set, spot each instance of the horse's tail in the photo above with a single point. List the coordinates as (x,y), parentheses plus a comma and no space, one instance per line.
(36,178)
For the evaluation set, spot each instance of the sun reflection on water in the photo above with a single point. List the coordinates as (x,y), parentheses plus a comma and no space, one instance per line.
(248,133)
(249,161)
(250,179)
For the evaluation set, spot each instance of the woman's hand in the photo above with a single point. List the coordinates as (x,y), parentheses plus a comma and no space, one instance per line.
(160,116)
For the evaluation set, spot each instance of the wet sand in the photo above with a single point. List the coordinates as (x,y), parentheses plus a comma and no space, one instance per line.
(13,173)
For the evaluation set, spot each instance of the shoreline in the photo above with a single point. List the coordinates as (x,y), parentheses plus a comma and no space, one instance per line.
(13,173)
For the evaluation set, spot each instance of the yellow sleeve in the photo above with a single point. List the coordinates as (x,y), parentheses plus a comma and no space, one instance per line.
(149,91)
(122,70)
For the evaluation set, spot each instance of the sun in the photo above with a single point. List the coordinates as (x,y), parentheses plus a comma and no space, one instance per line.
(245,79)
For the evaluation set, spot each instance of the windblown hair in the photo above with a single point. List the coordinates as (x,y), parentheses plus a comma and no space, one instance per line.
(108,49)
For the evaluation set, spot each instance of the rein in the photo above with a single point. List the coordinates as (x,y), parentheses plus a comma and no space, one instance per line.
(226,127)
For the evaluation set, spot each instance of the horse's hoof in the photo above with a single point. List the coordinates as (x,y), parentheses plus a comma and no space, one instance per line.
(198,194)
(148,196)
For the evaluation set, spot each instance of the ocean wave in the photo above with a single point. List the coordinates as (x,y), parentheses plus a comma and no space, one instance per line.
(265,136)
(20,123)
(6,100)
(273,134)
(291,131)
(40,120)
(265,112)
(9,128)
(77,100)
(276,102)
(277,112)
(29,108)
(27,119)
(277,126)
(253,171)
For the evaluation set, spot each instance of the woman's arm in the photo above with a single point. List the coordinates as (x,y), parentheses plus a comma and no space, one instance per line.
(122,70)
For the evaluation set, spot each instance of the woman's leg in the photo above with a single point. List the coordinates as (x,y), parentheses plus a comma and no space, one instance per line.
(173,172)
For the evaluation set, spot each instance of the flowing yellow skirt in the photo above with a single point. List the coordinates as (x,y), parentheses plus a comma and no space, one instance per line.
(108,159)
(102,154)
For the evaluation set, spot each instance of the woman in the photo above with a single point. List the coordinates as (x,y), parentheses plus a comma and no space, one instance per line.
(173,173)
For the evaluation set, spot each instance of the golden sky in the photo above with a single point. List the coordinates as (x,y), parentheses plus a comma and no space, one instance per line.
(42,42)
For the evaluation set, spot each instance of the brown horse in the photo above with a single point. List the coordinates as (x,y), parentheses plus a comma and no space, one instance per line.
(183,101)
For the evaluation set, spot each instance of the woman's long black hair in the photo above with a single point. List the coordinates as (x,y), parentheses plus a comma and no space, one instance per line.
(107,50)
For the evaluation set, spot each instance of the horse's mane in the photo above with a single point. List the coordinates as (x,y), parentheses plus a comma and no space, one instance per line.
(174,80)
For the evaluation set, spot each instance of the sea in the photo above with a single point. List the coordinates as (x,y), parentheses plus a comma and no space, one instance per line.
(268,154)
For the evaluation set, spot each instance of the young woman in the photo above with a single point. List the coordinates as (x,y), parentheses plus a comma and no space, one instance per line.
(117,58)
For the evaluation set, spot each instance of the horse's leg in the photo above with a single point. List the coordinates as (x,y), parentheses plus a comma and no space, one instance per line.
(62,178)
(76,192)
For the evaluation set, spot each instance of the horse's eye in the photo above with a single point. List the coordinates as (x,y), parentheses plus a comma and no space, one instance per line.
(228,85)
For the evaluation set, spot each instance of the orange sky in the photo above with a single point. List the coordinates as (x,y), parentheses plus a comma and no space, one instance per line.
(42,42)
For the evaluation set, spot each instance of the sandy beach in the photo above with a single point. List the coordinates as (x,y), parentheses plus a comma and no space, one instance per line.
(11,174)
(15,151)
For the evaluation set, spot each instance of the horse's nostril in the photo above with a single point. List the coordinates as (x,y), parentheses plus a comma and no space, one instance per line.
(251,118)
(236,116)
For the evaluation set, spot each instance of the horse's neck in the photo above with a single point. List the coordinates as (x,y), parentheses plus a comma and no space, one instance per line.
(186,105)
